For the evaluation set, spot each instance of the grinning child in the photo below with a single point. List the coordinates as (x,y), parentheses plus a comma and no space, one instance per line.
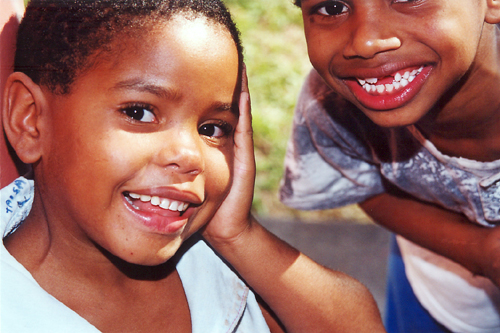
(402,115)
(128,113)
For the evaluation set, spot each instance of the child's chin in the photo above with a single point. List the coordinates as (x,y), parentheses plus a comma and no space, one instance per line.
(147,256)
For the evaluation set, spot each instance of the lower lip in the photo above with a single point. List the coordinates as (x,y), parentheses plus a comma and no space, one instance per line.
(389,101)
(160,220)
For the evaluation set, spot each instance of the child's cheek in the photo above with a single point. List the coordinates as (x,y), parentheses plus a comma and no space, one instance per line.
(219,172)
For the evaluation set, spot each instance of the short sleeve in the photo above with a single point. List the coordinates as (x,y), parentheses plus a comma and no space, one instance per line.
(329,161)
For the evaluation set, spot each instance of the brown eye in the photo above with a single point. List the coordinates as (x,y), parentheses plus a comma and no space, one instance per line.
(215,130)
(331,8)
(139,113)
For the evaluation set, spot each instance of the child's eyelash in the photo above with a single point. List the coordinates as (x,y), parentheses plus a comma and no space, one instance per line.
(330,8)
(225,126)
(212,129)
(141,112)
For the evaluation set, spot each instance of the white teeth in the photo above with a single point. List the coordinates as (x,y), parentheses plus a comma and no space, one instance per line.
(370,88)
(400,81)
(165,203)
(155,201)
(173,205)
(160,202)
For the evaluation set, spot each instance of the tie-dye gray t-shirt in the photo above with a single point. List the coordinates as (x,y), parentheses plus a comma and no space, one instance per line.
(337,156)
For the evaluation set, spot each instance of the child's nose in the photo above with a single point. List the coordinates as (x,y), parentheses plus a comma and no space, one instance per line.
(181,152)
(370,35)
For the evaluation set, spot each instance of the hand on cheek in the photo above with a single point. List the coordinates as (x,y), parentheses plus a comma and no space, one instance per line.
(233,216)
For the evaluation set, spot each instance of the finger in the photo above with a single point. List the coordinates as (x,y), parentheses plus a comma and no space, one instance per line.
(243,138)
(245,120)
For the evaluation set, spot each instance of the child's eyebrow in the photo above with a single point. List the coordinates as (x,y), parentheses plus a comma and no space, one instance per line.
(162,92)
(142,86)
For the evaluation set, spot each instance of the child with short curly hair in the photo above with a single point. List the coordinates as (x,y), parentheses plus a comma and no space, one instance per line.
(135,117)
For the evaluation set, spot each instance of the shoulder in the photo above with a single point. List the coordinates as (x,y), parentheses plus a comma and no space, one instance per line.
(16,200)
(26,307)
(330,120)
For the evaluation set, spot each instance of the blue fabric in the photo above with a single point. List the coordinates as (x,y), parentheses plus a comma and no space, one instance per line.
(403,312)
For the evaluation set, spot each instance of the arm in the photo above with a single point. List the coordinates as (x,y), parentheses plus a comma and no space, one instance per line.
(444,232)
(305,296)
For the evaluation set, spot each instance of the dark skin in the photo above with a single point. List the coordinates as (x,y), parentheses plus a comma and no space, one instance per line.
(117,273)
(110,260)
(473,135)
(456,106)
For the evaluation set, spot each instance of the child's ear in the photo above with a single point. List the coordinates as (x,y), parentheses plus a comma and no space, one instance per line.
(23,102)
(493,13)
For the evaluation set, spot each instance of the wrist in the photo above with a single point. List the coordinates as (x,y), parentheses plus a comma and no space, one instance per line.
(233,238)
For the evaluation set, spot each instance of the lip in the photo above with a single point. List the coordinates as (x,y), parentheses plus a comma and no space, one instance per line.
(388,101)
(160,220)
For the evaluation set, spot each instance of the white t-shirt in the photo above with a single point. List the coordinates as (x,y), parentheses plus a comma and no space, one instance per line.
(218,300)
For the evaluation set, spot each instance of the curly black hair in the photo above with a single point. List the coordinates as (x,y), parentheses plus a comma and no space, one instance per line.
(57,39)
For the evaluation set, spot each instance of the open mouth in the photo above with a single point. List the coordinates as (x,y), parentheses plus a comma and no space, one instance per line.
(390,84)
(141,201)
(391,91)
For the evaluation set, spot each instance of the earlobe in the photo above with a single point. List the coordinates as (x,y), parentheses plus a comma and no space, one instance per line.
(493,12)
(23,102)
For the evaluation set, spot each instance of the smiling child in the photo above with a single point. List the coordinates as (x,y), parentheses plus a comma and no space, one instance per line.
(401,115)
(135,118)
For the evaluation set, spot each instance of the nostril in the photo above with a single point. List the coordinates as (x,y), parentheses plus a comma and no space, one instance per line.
(181,154)
(367,45)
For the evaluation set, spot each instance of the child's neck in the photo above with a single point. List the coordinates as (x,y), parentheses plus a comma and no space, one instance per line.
(110,293)
(466,122)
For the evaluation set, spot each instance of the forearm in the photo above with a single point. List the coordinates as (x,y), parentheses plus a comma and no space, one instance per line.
(305,296)
(439,230)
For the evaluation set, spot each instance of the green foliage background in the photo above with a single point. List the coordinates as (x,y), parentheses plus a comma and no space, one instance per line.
(277,62)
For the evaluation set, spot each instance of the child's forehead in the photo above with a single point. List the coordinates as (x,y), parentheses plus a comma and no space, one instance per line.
(177,28)
(153,58)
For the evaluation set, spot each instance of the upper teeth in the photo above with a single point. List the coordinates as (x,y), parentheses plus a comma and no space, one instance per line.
(400,81)
(161,202)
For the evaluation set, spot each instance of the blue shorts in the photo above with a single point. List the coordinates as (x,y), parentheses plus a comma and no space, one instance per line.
(403,312)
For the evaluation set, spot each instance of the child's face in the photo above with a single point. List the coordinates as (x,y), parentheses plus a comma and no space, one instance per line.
(141,150)
(431,43)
